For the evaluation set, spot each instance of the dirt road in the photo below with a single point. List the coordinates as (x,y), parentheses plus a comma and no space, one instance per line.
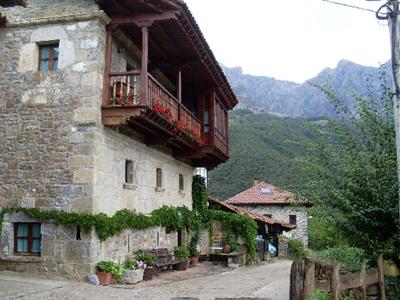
(267,281)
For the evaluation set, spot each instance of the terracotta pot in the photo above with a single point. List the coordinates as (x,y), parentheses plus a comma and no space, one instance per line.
(148,274)
(181,266)
(227,249)
(105,278)
(194,260)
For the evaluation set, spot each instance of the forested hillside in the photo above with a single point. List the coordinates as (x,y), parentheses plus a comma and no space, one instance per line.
(262,146)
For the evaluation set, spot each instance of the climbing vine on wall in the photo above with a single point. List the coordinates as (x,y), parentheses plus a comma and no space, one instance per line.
(173,218)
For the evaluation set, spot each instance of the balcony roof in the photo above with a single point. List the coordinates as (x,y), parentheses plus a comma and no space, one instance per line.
(175,42)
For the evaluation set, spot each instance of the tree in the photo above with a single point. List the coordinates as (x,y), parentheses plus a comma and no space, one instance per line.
(354,158)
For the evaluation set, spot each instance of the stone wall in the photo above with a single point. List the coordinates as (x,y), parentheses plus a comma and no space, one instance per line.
(281,213)
(55,152)
(61,253)
(46,150)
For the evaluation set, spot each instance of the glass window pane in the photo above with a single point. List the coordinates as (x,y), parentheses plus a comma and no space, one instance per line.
(55,52)
(55,64)
(36,246)
(45,52)
(22,230)
(44,65)
(36,231)
(22,245)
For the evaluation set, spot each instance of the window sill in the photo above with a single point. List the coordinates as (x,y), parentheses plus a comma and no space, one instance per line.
(22,258)
(159,190)
(129,186)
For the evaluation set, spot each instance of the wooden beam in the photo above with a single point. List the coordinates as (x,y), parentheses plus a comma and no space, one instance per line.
(155,7)
(134,20)
(107,66)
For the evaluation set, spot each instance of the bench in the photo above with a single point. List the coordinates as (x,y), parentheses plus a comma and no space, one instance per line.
(163,258)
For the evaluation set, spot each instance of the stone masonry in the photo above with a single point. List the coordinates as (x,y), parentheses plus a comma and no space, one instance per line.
(281,213)
(55,152)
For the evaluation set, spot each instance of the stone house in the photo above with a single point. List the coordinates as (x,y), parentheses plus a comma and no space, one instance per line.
(267,200)
(104,105)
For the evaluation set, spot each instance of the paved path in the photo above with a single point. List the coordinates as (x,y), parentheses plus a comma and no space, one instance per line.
(267,281)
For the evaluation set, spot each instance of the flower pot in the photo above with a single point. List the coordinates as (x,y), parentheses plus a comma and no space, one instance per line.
(181,266)
(105,278)
(132,276)
(148,273)
(227,249)
(194,260)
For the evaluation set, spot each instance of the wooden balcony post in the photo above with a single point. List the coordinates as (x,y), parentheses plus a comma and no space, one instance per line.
(179,86)
(107,66)
(145,61)
(212,117)
(202,109)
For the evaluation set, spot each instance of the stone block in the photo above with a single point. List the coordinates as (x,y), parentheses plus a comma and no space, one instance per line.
(28,202)
(132,276)
(93,279)
(83,176)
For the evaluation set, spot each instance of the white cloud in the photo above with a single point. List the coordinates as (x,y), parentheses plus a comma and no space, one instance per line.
(292,39)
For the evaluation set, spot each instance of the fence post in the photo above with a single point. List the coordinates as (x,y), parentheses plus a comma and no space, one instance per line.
(309,278)
(335,282)
(296,281)
(363,281)
(381,278)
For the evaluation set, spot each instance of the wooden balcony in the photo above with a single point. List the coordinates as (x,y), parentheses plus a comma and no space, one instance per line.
(162,119)
(159,116)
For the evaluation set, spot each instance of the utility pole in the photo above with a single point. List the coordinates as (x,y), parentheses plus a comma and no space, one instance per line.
(391,15)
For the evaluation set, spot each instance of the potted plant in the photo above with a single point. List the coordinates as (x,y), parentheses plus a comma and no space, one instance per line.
(134,271)
(182,255)
(147,261)
(194,251)
(230,244)
(107,271)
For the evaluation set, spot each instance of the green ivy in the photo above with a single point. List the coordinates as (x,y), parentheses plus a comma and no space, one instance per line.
(173,218)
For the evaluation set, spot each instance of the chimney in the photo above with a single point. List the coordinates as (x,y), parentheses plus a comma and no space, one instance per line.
(256,181)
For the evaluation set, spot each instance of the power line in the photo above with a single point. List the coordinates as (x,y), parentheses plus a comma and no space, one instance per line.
(349,5)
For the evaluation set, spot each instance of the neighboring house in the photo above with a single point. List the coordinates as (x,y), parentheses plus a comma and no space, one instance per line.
(267,200)
(267,228)
(104,105)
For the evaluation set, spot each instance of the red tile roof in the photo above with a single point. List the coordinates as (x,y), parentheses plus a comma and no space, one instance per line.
(262,193)
(256,217)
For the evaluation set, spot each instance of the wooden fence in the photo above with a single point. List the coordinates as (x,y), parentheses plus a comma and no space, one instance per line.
(314,273)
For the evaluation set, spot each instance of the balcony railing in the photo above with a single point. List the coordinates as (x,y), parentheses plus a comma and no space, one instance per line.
(125,92)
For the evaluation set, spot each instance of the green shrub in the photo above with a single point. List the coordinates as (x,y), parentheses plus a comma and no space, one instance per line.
(231,241)
(111,267)
(321,295)
(350,257)
(131,265)
(148,258)
(296,249)
(181,253)
(392,285)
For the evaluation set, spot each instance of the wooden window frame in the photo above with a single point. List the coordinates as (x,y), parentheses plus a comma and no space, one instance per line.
(291,218)
(29,239)
(128,164)
(50,60)
(181,182)
(159,179)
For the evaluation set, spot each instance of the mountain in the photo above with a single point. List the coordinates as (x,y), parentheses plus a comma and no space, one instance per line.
(262,146)
(266,94)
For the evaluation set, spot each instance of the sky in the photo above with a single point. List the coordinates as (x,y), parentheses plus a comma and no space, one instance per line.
(292,39)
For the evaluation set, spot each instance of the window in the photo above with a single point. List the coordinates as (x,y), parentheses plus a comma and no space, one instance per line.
(48,57)
(159,178)
(27,238)
(181,182)
(292,219)
(128,171)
